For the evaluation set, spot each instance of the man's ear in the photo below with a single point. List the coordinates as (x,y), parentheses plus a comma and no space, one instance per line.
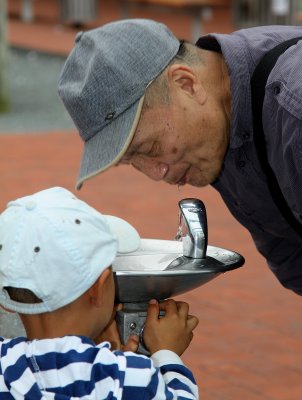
(183,77)
(96,291)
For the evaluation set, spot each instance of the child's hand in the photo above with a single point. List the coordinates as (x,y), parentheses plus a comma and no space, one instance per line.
(110,334)
(173,331)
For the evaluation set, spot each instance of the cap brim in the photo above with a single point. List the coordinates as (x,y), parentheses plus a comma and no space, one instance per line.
(127,236)
(107,147)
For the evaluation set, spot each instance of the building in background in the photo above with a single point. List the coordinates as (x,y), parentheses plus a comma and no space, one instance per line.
(249,13)
(78,12)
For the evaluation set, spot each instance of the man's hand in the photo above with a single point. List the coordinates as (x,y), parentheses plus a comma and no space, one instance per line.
(110,334)
(173,331)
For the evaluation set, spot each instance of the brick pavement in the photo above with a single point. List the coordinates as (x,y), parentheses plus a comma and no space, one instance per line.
(248,343)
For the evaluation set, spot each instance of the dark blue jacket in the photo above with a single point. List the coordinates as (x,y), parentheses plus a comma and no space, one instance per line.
(242,183)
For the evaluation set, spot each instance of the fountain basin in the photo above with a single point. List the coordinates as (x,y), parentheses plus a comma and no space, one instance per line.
(159,270)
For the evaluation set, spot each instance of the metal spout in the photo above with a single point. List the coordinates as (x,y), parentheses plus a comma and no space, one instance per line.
(193,213)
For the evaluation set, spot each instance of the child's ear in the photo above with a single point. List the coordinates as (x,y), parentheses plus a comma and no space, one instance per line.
(96,291)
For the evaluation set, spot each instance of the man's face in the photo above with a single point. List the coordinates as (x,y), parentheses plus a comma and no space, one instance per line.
(180,143)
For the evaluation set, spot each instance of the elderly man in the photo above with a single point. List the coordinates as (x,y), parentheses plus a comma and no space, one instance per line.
(191,114)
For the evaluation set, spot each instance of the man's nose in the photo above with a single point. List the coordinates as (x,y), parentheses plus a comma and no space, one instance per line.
(153,169)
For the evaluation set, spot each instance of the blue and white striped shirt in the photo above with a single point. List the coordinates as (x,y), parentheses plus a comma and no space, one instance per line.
(73,367)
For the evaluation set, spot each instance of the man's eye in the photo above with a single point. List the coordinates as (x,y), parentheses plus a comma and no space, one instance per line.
(124,160)
(154,150)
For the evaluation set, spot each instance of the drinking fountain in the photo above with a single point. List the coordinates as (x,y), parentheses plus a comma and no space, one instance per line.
(160,269)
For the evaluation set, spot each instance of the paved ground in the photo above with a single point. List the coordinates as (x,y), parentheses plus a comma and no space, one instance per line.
(248,343)
(35,105)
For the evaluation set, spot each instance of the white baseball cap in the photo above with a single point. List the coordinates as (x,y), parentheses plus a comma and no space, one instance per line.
(57,246)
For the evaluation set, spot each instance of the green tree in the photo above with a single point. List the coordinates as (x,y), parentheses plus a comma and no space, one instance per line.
(4,98)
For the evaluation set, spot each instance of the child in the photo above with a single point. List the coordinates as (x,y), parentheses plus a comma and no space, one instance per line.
(55,272)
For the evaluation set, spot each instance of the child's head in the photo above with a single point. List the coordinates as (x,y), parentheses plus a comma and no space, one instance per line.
(53,248)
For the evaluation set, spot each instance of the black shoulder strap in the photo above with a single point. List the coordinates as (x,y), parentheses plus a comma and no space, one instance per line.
(258,83)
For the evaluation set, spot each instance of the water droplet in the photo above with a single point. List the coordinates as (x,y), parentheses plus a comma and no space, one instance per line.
(179,235)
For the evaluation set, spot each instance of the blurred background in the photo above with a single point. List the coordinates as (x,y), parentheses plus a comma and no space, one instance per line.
(249,340)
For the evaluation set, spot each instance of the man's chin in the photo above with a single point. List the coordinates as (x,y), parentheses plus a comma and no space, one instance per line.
(198,182)
(200,179)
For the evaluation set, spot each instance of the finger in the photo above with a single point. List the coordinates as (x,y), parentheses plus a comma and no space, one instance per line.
(132,344)
(115,344)
(152,311)
(169,306)
(183,308)
(192,322)
(118,307)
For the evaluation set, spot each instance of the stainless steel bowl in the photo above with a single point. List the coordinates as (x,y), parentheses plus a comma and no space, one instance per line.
(159,270)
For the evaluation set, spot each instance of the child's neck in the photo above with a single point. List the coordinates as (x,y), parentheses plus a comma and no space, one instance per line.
(73,319)
(46,327)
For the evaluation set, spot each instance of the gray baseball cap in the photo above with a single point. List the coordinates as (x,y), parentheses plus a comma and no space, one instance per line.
(103,83)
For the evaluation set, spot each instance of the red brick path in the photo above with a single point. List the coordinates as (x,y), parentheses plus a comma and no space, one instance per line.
(248,344)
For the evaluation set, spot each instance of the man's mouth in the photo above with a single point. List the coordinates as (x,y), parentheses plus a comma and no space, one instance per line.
(183,180)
